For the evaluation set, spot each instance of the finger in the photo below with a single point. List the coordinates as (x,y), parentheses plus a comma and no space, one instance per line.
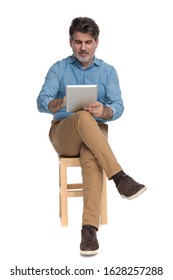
(94,105)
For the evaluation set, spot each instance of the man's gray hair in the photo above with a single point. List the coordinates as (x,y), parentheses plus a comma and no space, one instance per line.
(84,25)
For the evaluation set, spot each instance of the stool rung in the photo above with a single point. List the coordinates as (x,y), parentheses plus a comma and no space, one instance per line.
(74,186)
(75,193)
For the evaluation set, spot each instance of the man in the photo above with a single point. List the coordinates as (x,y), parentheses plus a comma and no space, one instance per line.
(84,133)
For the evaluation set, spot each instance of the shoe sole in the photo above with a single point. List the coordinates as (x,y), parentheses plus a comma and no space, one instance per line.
(89,253)
(135,195)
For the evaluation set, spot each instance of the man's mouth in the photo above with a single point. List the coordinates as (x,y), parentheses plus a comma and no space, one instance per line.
(83,53)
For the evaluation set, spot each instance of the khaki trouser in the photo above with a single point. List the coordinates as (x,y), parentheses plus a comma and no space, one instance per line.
(81,135)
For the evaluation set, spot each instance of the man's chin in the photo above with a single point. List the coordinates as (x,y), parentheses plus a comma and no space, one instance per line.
(84,60)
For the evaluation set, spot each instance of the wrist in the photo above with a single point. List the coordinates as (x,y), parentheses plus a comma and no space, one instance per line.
(55,104)
(107,113)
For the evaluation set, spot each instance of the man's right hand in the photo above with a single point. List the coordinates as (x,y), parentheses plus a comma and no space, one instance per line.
(56,104)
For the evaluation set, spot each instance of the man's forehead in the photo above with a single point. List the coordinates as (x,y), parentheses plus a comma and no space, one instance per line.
(82,36)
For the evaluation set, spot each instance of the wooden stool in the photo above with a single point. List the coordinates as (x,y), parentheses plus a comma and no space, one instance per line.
(75,190)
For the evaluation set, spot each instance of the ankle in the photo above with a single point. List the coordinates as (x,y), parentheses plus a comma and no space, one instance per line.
(90,226)
(117,177)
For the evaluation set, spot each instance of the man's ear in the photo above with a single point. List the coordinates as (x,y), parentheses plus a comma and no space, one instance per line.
(70,42)
(97,41)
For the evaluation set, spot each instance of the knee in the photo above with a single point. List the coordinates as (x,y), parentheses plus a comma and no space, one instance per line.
(84,123)
(84,115)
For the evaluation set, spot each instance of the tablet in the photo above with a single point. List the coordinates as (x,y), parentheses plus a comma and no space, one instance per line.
(80,96)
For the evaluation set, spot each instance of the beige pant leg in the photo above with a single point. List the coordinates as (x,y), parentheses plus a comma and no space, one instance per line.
(68,136)
(92,174)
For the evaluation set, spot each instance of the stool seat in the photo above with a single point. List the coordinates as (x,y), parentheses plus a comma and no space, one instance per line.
(75,190)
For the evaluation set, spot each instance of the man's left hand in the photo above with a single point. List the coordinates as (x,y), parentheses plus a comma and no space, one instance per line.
(95,109)
(99,111)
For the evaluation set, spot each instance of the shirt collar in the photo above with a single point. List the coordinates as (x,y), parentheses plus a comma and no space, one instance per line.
(96,61)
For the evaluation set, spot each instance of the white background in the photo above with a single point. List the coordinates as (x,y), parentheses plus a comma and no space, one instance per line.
(135,37)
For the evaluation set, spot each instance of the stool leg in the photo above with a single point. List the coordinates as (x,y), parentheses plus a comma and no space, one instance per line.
(63,194)
(103,208)
(60,190)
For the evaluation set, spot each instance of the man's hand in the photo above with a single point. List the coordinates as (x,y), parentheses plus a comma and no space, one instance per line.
(56,104)
(99,111)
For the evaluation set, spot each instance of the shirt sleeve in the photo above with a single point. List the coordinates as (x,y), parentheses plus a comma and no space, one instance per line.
(113,94)
(49,89)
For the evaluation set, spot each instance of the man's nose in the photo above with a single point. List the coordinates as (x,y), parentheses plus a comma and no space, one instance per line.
(83,47)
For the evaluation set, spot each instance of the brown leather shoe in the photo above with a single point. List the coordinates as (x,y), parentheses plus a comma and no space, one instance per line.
(129,188)
(89,243)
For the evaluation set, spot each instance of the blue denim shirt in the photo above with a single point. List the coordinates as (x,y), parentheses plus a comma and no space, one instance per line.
(69,71)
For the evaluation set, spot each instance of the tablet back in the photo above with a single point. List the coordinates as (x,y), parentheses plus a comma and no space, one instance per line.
(80,96)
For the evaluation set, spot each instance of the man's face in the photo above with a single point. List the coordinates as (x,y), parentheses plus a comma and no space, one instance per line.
(83,46)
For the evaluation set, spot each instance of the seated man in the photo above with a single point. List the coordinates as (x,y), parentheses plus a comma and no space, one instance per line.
(84,133)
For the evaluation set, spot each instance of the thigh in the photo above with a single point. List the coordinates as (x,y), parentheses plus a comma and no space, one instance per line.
(65,135)
(64,138)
